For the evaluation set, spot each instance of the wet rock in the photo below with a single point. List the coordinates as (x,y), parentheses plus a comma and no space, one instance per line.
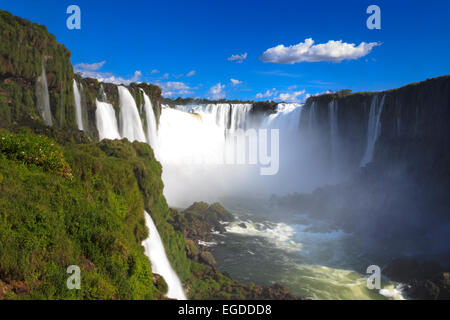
(425,279)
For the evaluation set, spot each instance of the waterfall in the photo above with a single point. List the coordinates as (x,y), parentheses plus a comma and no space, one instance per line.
(43,99)
(373,128)
(106,121)
(334,135)
(129,119)
(312,117)
(154,250)
(239,116)
(151,123)
(287,117)
(78,109)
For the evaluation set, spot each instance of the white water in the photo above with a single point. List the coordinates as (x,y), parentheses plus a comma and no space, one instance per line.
(280,234)
(193,146)
(287,117)
(105,118)
(130,123)
(312,120)
(154,250)
(373,128)
(334,136)
(78,109)
(152,130)
(196,142)
(43,99)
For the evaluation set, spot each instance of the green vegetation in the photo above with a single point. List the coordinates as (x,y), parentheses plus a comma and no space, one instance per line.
(35,150)
(25,48)
(83,204)
(95,221)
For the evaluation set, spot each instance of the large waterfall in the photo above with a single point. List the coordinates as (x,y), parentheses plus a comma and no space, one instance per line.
(197,142)
(78,109)
(373,128)
(43,99)
(152,130)
(130,123)
(154,250)
(106,121)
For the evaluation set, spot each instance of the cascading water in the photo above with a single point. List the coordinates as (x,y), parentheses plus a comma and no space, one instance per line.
(78,108)
(106,121)
(334,135)
(239,116)
(43,99)
(312,117)
(373,128)
(130,123)
(154,250)
(152,130)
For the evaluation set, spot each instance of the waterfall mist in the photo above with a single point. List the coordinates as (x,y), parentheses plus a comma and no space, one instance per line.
(193,141)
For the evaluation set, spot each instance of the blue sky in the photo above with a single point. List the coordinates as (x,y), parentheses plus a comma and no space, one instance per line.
(185,46)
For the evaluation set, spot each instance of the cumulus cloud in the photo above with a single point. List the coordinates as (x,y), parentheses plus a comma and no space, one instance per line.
(235,82)
(267,94)
(92,71)
(89,66)
(217,92)
(238,57)
(172,88)
(191,73)
(332,51)
(154,71)
(291,96)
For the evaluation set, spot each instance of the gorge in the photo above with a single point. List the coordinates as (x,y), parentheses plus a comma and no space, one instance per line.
(363,179)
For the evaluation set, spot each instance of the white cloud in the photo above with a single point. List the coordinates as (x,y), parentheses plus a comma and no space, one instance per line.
(89,66)
(154,71)
(235,82)
(333,51)
(238,57)
(165,76)
(92,71)
(291,96)
(172,88)
(267,94)
(191,73)
(217,92)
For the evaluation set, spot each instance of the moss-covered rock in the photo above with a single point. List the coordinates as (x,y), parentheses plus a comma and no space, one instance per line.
(25,49)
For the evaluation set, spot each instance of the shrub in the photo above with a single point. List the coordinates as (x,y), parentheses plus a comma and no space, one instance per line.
(35,150)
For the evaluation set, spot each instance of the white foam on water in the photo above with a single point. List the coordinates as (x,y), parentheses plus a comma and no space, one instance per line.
(393,292)
(206,243)
(280,234)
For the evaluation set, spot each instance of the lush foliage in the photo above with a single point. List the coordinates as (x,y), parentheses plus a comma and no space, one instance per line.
(35,150)
(25,48)
(94,221)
